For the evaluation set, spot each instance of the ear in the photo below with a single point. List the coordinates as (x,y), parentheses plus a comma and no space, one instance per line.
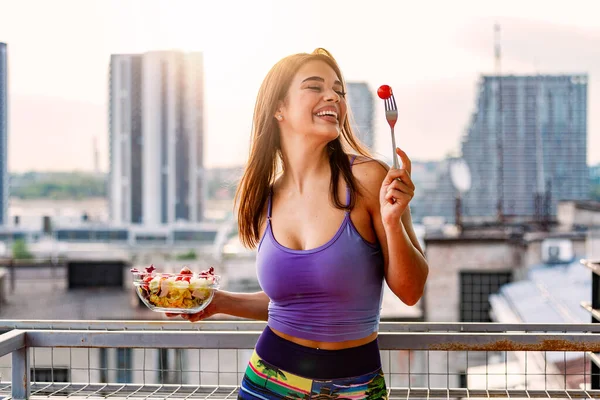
(280,107)
(279,111)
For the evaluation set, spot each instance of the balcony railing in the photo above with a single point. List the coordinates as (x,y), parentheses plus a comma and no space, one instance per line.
(179,360)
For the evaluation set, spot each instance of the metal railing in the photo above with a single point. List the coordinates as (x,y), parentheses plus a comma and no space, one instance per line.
(176,360)
(594,307)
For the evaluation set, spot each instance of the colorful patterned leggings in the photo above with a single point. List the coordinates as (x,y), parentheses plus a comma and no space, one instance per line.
(290,371)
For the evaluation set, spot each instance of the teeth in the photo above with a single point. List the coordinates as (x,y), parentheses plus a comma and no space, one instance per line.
(327,113)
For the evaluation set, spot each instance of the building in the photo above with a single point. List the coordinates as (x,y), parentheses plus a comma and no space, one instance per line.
(4,184)
(550,294)
(595,175)
(360,102)
(156,138)
(436,195)
(526,145)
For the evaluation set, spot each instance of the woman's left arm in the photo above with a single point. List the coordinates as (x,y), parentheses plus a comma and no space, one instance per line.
(406,268)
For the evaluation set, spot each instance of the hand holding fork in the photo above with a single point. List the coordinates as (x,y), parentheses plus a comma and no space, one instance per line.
(397,188)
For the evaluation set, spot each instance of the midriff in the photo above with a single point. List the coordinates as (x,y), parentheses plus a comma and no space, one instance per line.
(327,345)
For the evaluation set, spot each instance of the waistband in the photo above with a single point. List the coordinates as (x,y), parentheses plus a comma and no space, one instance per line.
(316,363)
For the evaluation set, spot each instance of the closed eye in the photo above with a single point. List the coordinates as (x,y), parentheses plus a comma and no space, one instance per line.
(318,89)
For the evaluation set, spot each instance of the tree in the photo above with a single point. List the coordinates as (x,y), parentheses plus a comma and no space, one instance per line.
(58,185)
(376,388)
(190,255)
(270,371)
(20,250)
(326,393)
(595,192)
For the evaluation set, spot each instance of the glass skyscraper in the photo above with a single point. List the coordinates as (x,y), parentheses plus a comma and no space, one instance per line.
(360,101)
(527,139)
(156,138)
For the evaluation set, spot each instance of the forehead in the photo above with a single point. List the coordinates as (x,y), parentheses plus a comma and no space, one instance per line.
(319,69)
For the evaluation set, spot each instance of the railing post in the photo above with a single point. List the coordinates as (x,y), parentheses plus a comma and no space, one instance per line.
(595,381)
(11,269)
(20,374)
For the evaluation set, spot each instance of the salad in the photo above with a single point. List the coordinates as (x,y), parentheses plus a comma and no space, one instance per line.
(185,292)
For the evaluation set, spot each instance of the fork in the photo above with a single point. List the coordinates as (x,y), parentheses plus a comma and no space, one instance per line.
(391,115)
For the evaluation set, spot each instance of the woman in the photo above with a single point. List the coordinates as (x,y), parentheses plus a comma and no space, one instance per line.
(328,226)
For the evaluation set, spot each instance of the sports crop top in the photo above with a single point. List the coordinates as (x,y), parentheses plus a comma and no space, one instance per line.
(331,293)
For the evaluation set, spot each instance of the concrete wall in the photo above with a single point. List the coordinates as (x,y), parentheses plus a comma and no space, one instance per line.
(447,258)
(569,215)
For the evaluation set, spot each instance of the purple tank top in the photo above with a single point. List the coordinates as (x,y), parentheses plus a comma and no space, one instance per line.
(331,293)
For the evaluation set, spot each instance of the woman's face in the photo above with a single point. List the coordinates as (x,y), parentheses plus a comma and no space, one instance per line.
(315,103)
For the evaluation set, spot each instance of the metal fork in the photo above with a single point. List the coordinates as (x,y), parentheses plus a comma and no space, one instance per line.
(391,115)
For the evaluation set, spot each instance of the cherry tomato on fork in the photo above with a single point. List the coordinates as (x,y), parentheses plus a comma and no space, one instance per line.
(384,92)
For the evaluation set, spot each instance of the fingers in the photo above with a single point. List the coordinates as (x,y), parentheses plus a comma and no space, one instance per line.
(188,317)
(401,176)
(194,317)
(401,186)
(406,163)
(392,195)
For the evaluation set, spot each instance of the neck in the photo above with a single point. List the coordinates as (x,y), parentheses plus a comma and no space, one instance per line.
(304,166)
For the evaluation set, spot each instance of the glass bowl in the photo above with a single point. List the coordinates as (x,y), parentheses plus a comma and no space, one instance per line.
(182,293)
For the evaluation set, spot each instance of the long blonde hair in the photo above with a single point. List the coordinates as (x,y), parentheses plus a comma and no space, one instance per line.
(265,150)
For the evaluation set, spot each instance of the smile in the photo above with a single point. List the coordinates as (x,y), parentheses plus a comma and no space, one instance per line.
(327,114)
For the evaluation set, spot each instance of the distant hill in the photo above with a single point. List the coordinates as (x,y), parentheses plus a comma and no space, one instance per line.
(58,185)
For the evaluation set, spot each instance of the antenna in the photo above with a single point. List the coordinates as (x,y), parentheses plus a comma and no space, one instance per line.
(538,198)
(96,157)
(500,127)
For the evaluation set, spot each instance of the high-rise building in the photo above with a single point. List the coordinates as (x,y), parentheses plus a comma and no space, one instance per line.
(595,174)
(360,101)
(526,145)
(156,138)
(435,196)
(4,183)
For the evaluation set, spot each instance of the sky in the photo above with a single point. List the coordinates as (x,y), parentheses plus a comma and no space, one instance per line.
(432,53)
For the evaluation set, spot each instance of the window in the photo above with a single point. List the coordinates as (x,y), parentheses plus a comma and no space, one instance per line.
(475,290)
(195,236)
(124,364)
(462,378)
(50,375)
(103,365)
(163,366)
(170,365)
(151,238)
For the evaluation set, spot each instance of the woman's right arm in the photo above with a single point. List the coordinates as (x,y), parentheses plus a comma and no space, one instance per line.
(244,305)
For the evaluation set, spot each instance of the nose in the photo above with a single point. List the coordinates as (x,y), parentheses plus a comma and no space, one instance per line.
(332,95)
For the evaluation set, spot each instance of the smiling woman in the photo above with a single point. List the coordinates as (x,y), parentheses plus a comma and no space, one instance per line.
(330,224)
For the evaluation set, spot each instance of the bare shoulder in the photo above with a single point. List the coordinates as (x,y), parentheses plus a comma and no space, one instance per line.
(369,174)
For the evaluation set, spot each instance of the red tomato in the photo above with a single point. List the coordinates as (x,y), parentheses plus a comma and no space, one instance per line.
(384,92)
(185,271)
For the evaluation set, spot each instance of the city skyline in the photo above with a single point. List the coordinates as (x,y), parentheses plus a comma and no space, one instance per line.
(439,59)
